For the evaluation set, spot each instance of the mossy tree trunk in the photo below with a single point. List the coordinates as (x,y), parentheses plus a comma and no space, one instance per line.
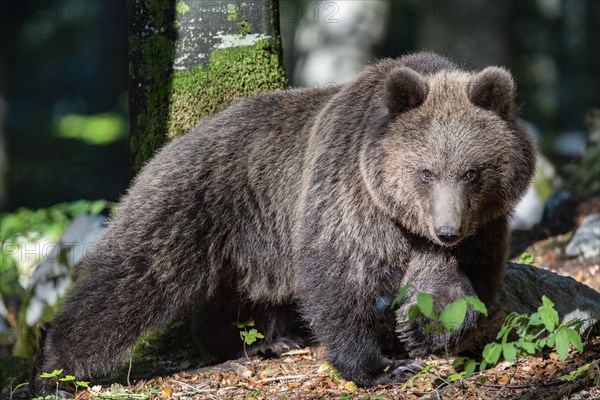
(192,58)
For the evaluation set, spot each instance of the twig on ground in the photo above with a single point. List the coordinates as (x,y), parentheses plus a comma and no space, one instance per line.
(282,378)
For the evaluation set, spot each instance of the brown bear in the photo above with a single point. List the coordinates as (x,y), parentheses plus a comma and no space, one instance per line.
(315,203)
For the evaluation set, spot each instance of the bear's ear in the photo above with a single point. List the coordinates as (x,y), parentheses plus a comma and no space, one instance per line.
(403,90)
(493,89)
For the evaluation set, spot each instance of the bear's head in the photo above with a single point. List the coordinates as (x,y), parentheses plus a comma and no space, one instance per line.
(450,154)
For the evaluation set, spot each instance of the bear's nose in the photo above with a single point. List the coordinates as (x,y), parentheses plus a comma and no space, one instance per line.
(447,234)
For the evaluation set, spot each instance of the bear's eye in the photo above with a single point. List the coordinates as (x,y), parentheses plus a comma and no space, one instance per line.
(426,175)
(470,175)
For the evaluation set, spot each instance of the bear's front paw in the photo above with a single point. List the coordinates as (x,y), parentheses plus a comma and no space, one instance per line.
(412,337)
(399,371)
(423,336)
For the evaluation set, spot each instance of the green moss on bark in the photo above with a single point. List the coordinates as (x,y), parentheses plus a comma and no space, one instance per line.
(166,104)
(231,74)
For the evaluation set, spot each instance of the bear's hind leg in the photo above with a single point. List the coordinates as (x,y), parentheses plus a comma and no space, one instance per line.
(107,310)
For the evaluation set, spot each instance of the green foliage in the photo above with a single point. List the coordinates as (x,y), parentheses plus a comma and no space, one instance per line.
(181,7)
(231,73)
(527,258)
(31,226)
(248,336)
(447,320)
(422,372)
(520,334)
(533,334)
(399,297)
(56,377)
(98,129)
(28,230)
(587,371)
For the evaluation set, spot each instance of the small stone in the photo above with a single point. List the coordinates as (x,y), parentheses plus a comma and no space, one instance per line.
(242,370)
(586,240)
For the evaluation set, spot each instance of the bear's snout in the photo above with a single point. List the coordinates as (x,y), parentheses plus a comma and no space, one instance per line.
(447,234)
(448,214)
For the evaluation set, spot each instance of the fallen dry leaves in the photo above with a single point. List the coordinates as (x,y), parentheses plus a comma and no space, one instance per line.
(303,374)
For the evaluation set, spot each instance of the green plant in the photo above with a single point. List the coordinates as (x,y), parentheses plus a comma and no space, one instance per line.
(520,334)
(534,333)
(587,372)
(447,320)
(251,395)
(248,336)
(13,390)
(24,226)
(527,258)
(55,376)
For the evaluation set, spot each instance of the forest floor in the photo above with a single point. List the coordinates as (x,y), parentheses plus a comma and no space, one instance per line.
(303,374)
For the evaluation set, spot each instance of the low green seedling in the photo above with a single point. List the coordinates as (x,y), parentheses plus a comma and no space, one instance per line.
(248,336)
(55,376)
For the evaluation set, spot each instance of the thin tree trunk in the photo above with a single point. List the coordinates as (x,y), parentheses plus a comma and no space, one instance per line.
(192,58)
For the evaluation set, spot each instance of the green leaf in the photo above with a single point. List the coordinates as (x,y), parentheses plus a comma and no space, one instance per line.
(68,378)
(425,303)
(509,351)
(483,365)
(97,206)
(550,340)
(52,374)
(256,334)
(154,391)
(83,384)
(400,296)
(456,377)
(535,319)
(477,304)
(459,361)
(575,339)
(527,346)
(252,336)
(454,313)
(562,344)
(413,313)
(527,258)
(470,367)
(578,372)
(548,314)
(491,353)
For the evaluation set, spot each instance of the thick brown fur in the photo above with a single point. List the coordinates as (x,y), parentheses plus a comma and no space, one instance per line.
(319,201)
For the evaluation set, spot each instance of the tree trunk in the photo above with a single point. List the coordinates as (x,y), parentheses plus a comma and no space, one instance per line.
(190,59)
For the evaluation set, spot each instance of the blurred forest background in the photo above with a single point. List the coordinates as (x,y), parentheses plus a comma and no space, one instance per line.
(64,72)
(64,124)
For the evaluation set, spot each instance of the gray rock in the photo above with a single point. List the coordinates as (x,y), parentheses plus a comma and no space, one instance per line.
(586,240)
